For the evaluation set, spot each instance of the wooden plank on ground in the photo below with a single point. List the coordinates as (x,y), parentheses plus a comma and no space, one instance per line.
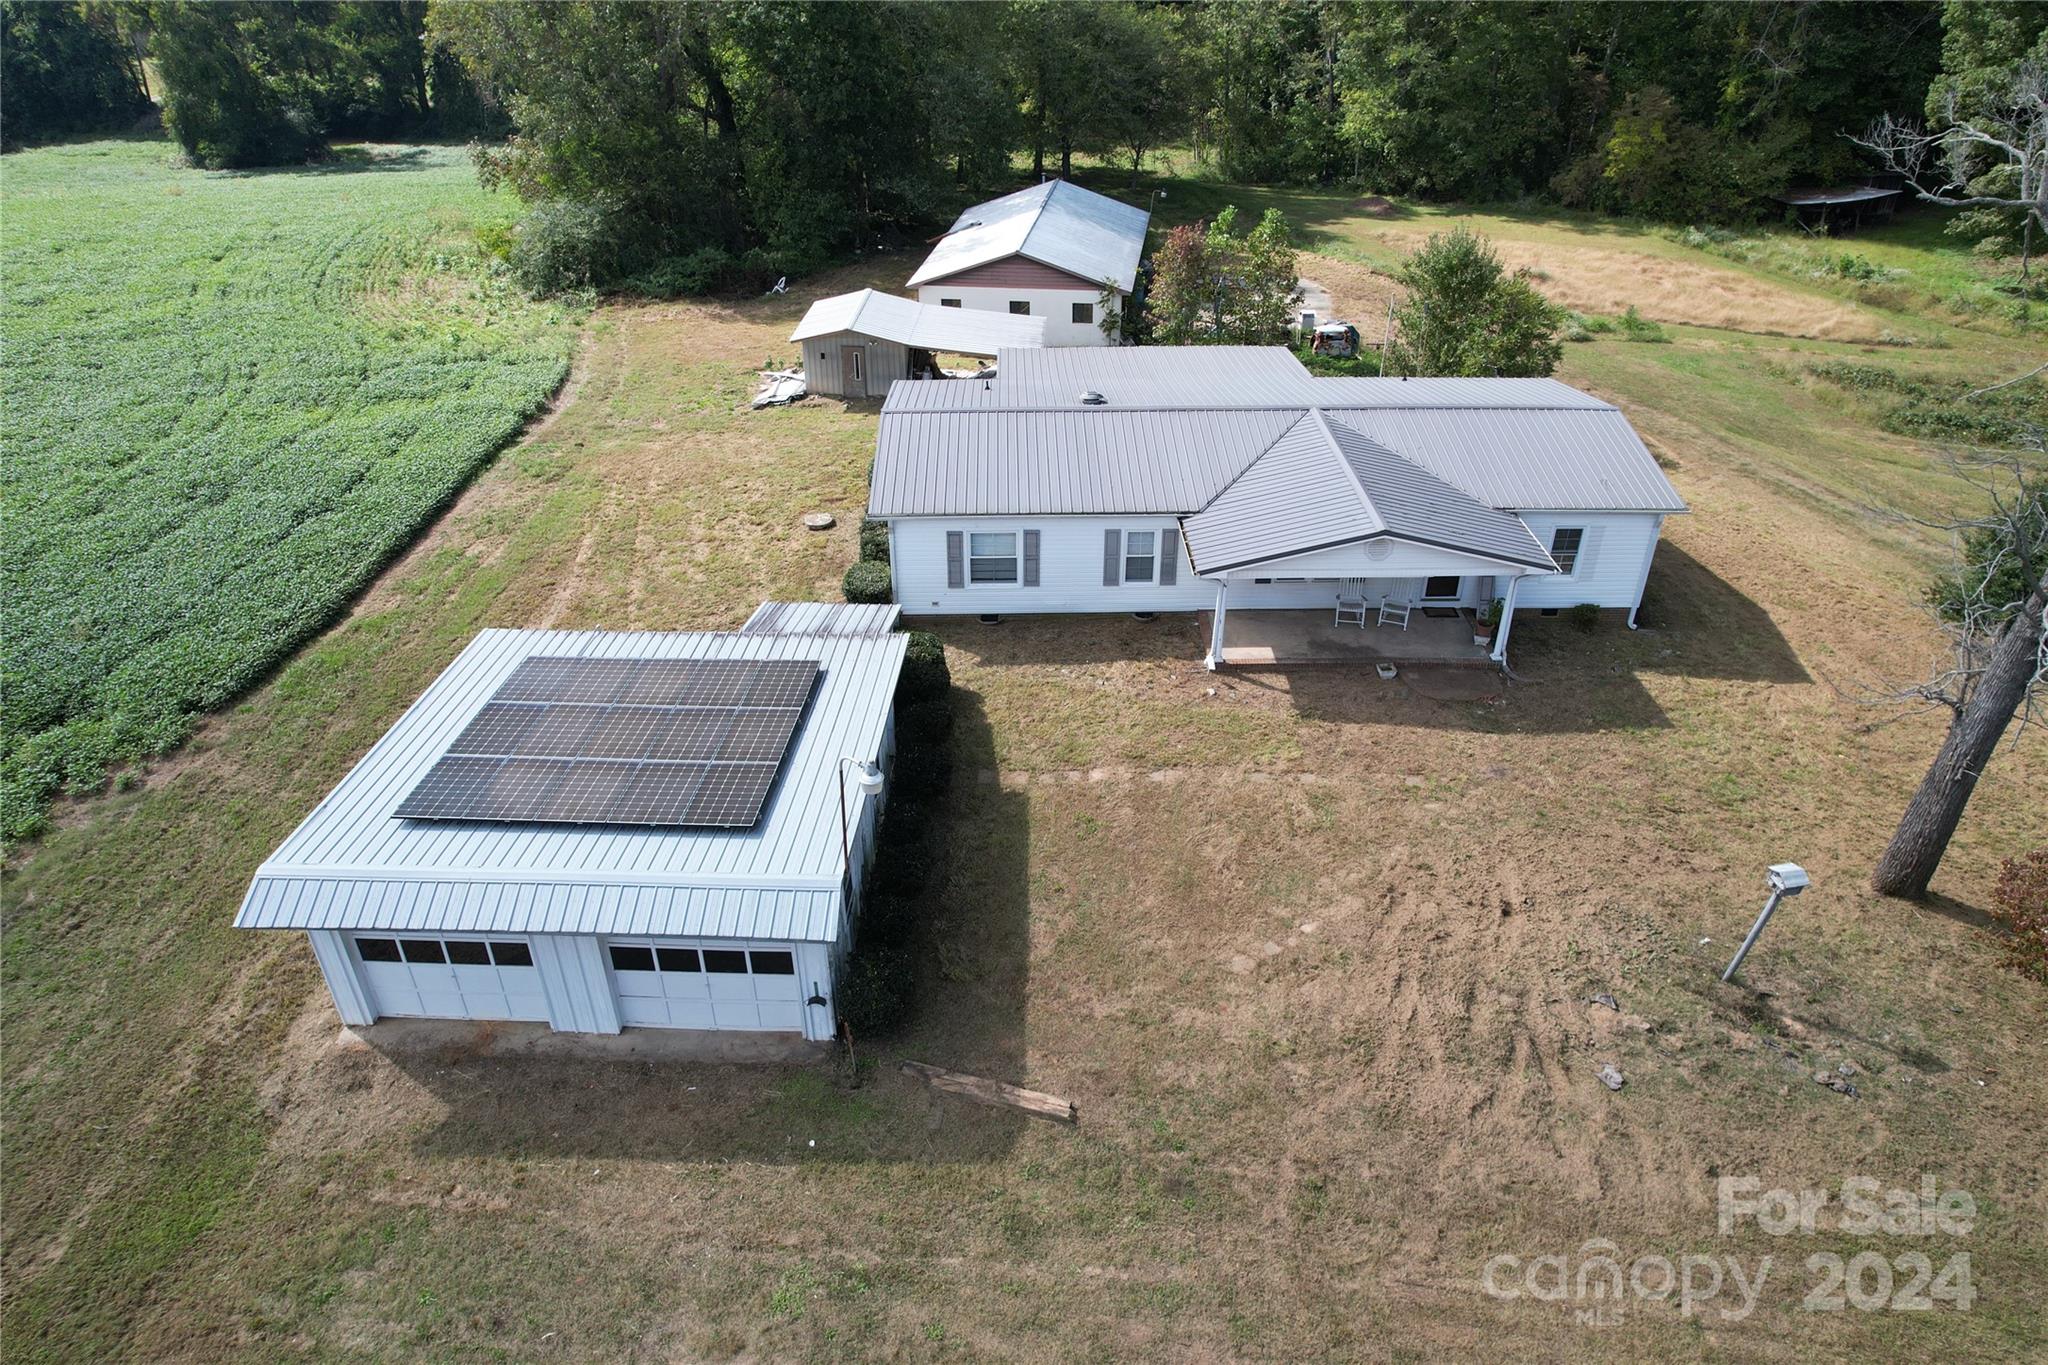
(984,1091)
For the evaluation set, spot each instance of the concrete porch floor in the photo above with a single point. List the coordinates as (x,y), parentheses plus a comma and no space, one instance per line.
(1254,638)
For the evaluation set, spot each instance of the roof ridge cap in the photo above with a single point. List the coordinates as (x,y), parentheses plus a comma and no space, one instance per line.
(1344,462)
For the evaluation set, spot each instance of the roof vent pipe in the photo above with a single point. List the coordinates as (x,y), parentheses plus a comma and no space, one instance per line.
(1092,398)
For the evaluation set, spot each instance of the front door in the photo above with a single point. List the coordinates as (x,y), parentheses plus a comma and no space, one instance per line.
(853,370)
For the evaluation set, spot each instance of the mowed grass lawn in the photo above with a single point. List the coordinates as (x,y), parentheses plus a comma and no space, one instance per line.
(1312,953)
(229,400)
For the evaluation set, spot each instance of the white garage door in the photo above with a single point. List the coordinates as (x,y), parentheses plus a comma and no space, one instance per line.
(451,978)
(681,983)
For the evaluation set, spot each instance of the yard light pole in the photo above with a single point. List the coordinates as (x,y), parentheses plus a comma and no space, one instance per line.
(1784,879)
(870,782)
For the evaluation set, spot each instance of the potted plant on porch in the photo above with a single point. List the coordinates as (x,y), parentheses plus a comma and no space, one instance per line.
(1485,621)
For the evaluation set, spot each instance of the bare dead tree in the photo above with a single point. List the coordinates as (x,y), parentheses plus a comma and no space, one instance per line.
(1993,610)
(1942,165)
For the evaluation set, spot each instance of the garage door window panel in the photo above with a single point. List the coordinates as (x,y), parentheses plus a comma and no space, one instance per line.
(378,949)
(422,950)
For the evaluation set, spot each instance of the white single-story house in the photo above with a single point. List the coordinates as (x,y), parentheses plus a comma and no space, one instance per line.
(607,829)
(856,345)
(1159,479)
(1045,252)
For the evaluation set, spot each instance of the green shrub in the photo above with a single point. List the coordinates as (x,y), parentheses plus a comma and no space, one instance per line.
(1585,616)
(877,990)
(924,767)
(1364,365)
(868,582)
(926,722)
(925,675)
(874,541)
(1575,328)
(903,869)
(1636,327)
(566,245)
(887,920)
(704,271)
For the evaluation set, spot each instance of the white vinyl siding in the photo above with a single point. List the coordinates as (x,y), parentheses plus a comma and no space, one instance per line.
(1609,563)
(1056,306)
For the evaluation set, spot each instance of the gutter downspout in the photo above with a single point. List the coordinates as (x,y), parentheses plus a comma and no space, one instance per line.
(1216,627)
(1507,619)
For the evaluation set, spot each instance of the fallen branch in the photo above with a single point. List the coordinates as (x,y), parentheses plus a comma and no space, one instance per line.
(984,1091)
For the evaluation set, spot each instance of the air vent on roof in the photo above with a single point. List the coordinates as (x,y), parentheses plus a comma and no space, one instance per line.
(1092,398)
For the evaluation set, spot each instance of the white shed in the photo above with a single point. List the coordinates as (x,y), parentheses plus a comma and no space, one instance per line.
(856,345)
(738,920)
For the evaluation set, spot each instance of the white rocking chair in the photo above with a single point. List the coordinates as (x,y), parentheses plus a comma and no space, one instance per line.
(1350,611)
(1393,613)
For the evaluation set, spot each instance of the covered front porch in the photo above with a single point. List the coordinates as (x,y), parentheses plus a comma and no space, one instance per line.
(1274,636)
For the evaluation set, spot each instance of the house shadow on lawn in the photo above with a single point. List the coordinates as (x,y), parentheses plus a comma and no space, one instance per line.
(972,959)
(1570,679)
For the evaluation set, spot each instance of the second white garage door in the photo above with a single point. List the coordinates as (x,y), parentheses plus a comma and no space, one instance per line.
(682,983)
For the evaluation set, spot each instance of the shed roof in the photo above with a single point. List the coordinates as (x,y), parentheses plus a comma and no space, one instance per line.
(351,864)
(1177,424)
(1323,484)
(822,618)
(1058,223)
(960,331)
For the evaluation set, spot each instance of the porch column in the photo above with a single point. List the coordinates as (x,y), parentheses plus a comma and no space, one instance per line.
(1216,627)
(1507,619)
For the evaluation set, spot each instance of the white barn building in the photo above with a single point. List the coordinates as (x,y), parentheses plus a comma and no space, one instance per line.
(688,919)
(1161,479)
(1048,252)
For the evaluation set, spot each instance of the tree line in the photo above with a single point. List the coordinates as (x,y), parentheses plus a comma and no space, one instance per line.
(697,141)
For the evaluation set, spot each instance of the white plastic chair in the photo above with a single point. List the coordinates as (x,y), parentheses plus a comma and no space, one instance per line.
(1393,613)
(1350,611)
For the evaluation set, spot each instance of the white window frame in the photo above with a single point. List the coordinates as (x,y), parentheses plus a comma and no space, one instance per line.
(1016,557)
(949,303)
(1020,308)
(1578,554)
(1153,579)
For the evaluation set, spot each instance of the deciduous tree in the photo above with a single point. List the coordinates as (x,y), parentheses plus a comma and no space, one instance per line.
(1991,606)
(1464,314)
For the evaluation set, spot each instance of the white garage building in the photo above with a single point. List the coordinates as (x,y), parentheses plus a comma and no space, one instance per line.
(512,887)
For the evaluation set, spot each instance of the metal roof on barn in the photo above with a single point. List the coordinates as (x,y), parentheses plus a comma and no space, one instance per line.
(1058,224)
(1175,425)
(957,331)
(352,865)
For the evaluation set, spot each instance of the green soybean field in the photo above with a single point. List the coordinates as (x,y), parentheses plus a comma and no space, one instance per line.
(229,400)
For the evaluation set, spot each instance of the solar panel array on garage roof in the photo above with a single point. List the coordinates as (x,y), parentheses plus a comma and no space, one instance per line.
(694,742)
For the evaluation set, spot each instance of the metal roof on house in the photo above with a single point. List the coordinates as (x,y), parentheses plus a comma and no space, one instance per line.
(1548,459)
(960,331)
(351,864)
(1322,484)
(1052,463)
(1179,423)
(1058,223)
